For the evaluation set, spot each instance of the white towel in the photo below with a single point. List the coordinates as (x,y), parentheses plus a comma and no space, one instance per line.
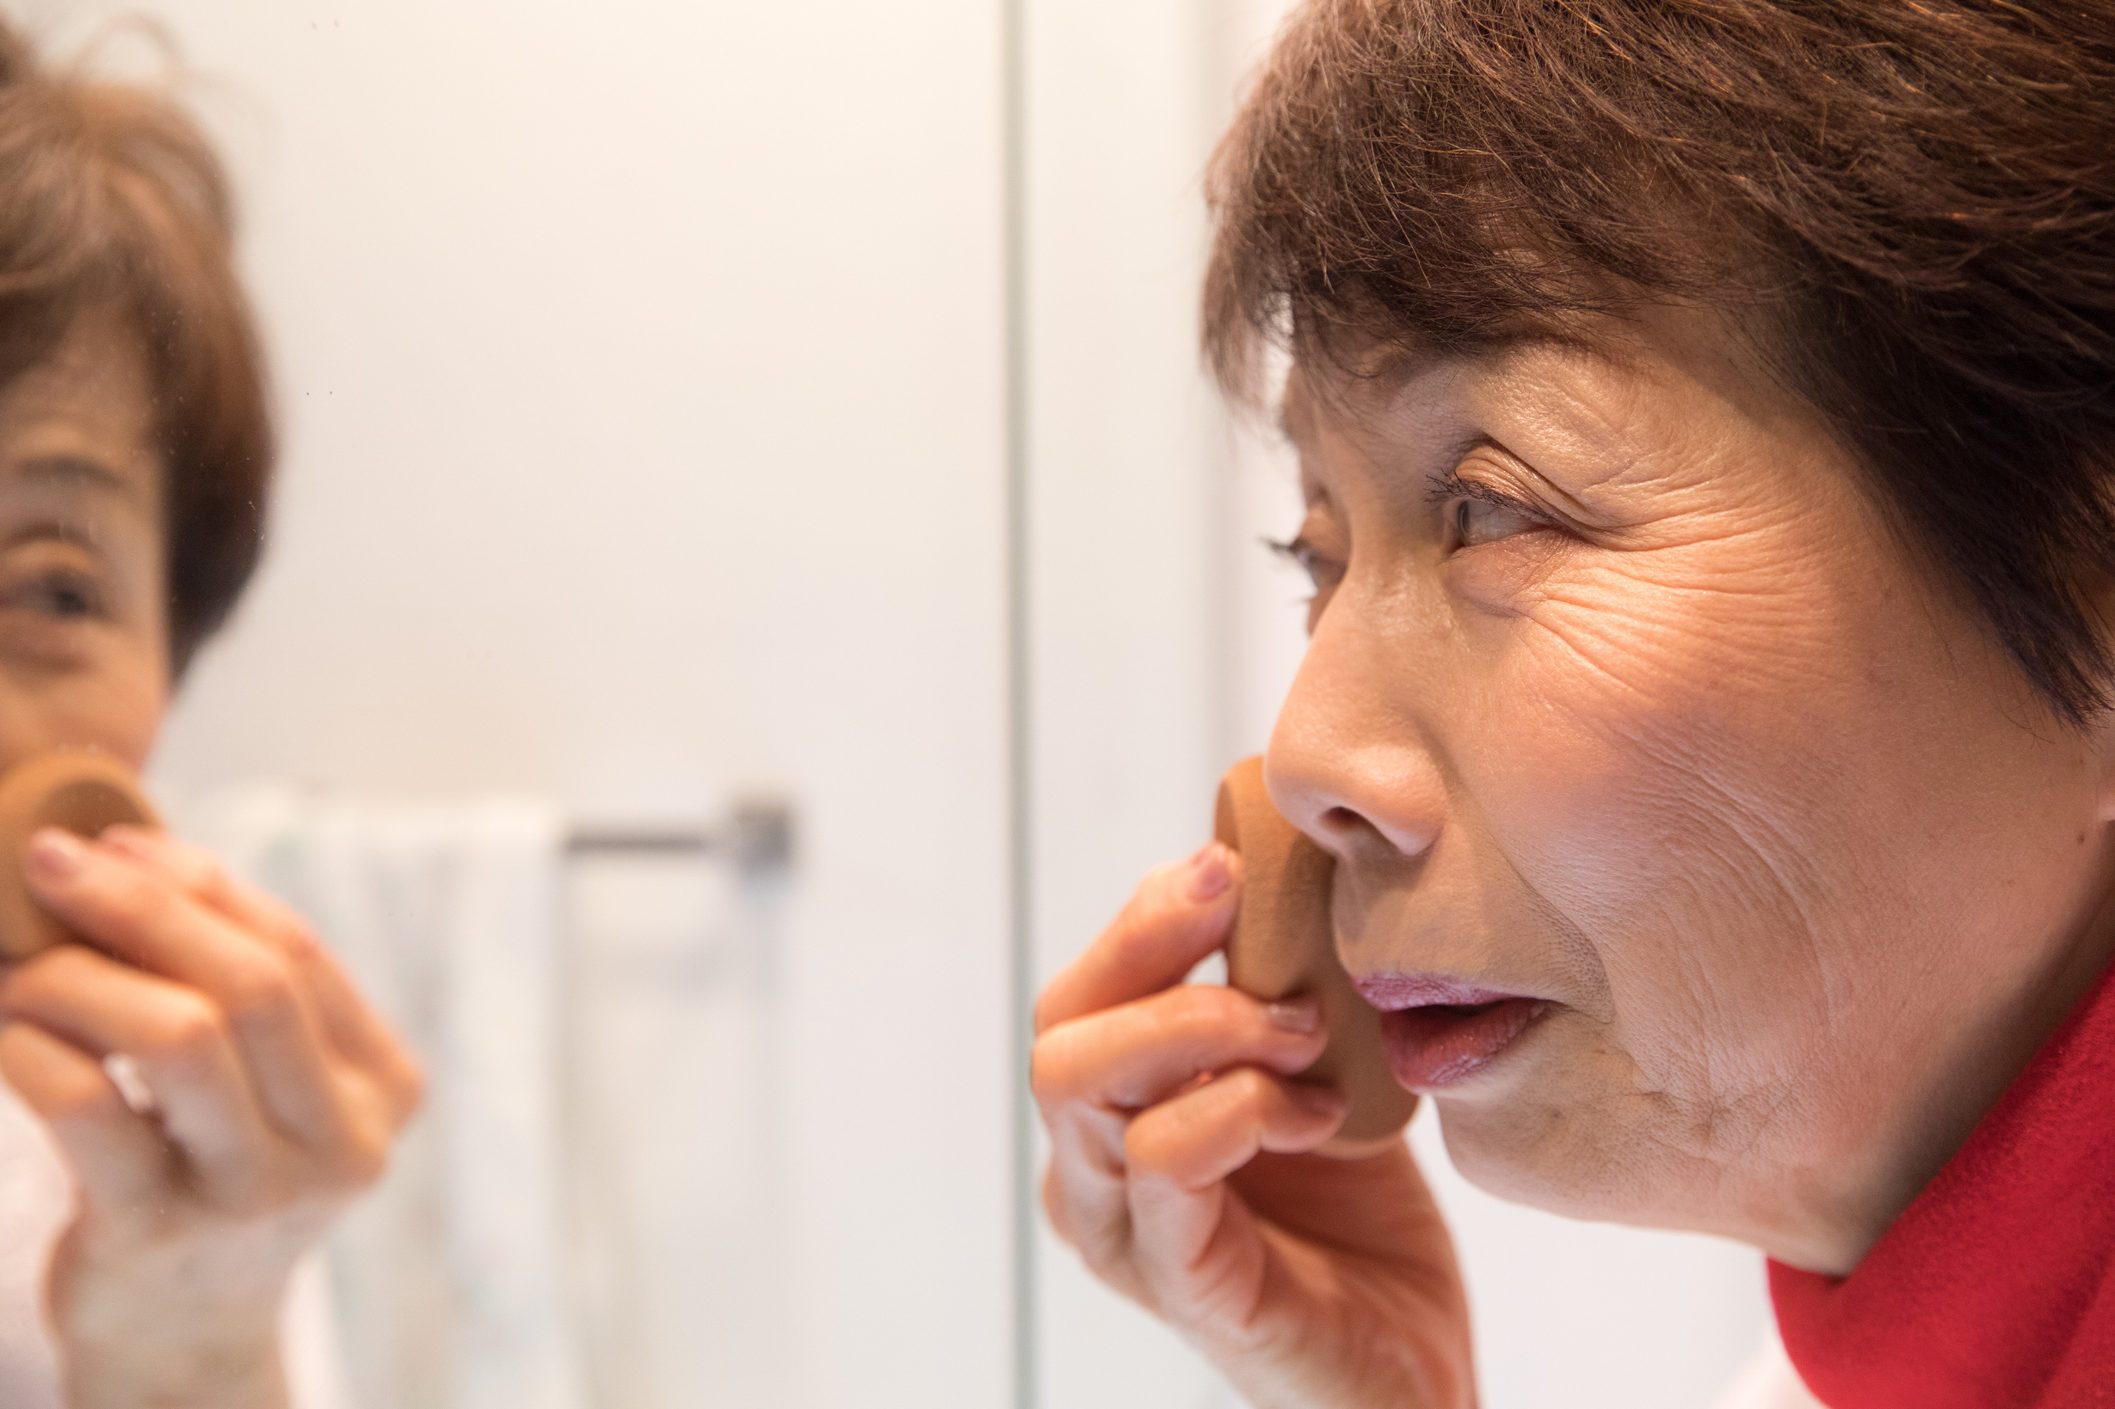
(451,1279)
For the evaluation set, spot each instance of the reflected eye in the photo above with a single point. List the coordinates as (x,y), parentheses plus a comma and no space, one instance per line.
(61,596)
(52,614)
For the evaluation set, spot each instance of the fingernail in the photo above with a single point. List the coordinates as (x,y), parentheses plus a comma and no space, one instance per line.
(133,841)
(54,854)
(1323,1100)
(1301,1015)
(1210,874)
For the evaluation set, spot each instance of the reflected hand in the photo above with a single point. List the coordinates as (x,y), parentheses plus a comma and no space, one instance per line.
(1182,1171)
(276,1094)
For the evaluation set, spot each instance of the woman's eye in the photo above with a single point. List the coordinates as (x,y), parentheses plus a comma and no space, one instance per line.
(1322,573)
(1486,521)
(1481,515)
(64,598)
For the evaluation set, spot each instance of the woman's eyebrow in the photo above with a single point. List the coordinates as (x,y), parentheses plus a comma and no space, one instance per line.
(73,471)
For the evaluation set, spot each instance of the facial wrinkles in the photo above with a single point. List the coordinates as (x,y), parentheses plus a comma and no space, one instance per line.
(1768,1003)
(1674,654)
(1724,856)
(1573,410)
(1657,864)
(1647,444)
(1628,639)
(1724,770)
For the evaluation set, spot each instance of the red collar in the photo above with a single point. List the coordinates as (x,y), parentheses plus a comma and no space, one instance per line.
(1995,1289)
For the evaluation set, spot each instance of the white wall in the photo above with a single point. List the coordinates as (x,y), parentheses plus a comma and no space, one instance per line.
(641,368)
(1164,641)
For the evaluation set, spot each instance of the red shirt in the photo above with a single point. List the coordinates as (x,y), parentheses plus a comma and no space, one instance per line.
(1995,1289)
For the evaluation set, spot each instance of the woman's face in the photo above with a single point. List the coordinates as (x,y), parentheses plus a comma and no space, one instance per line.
(83,614)
(1621,695)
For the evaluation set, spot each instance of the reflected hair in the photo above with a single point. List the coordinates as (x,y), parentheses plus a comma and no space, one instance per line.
(1907,210)
(111,198)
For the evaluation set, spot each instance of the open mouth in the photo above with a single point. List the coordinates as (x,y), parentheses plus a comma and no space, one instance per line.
(1439,1032)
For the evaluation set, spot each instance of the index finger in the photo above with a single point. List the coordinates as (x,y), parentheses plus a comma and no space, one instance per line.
(199,874)
(1178,915)
(353,1026)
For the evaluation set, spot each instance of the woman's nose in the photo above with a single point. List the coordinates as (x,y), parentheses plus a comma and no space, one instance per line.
(1347,763)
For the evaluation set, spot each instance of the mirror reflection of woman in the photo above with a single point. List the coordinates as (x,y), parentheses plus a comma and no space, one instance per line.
(147,1235)
(1706,422)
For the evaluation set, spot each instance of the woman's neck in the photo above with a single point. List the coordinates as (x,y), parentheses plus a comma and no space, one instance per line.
(1996,1044)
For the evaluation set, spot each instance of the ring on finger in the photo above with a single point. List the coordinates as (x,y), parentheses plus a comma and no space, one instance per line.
(132,1088)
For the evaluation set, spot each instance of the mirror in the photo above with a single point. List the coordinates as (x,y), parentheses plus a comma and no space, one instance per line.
(638,388)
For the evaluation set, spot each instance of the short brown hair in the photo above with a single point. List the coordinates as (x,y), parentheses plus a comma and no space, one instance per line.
(110,196)
(1912,204)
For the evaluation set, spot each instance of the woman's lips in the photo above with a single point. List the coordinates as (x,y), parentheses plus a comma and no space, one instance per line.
(1439,1031)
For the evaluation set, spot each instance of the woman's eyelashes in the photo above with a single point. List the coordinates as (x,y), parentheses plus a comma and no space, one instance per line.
(1475,513)
(60,596)
(1472,514)
(52,582)
(1322,571)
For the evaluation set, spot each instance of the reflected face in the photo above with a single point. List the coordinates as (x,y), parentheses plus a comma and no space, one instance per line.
(83,613)
(1620,695)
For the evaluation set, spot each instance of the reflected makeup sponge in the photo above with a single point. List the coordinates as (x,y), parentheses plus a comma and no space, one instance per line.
(1283,946)
(76,791)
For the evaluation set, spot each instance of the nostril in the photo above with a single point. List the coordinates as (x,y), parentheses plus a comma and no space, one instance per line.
(1341,821)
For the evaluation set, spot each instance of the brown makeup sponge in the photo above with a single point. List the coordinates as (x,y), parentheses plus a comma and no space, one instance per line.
(1282,946)
(74,790)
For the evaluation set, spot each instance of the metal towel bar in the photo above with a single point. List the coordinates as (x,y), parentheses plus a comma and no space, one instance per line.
(757,833)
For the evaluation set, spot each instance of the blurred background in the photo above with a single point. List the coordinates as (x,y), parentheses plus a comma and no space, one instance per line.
(759,576)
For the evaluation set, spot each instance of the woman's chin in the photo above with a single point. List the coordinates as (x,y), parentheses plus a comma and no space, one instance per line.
(1536,1131)
(1505,1148)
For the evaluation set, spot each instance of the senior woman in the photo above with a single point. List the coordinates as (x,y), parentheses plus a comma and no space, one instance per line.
(146,1237)
(1706,417)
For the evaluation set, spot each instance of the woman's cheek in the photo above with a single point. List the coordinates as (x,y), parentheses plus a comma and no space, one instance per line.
(1695,1017)
(1642,791)
(111,699)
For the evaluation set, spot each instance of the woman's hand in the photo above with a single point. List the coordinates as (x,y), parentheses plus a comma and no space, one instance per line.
(1182,1172)
(276,1093)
